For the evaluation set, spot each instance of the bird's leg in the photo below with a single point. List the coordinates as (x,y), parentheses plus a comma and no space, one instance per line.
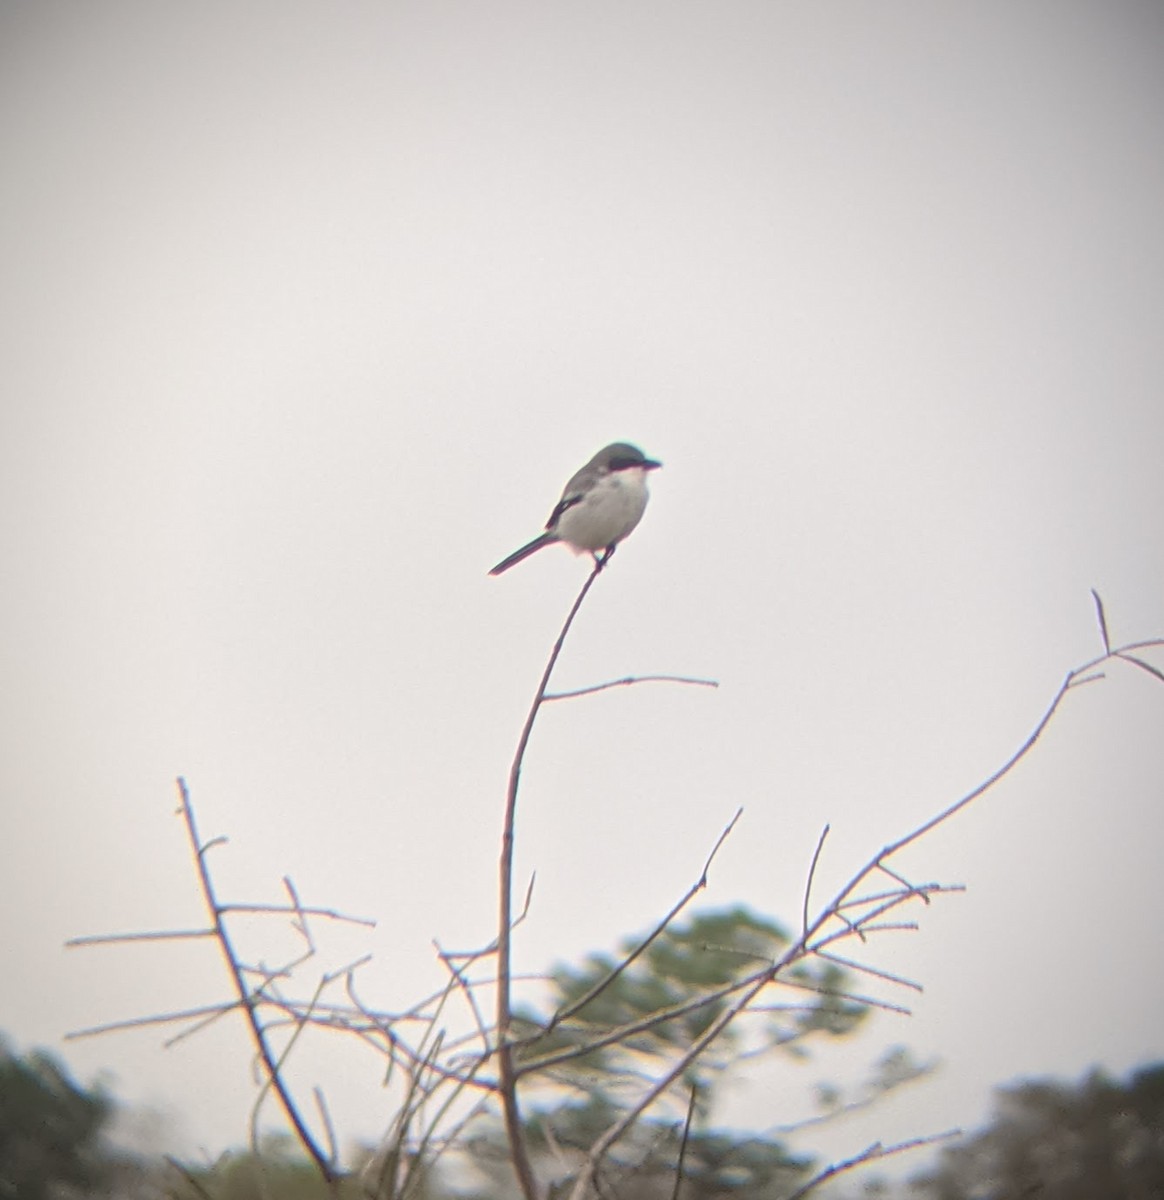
(600,560)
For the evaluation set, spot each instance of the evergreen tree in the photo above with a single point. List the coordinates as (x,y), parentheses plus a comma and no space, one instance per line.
(50,1129)
(1100,1140)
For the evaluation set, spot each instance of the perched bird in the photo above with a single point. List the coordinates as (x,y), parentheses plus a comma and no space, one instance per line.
(599,506)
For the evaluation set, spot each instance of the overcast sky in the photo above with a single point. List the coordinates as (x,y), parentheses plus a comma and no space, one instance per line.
(308,314)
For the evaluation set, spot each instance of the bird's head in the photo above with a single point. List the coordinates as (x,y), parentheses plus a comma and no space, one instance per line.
(622,456)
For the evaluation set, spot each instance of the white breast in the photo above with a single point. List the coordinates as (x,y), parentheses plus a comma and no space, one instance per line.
(610,510)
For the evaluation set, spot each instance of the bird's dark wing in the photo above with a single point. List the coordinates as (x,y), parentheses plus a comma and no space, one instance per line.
(567,501)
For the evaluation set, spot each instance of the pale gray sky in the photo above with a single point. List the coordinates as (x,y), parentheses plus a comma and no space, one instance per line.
(309,311)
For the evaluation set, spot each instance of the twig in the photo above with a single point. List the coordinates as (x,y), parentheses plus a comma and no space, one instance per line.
(602,984)
(853,997)
(628,681)
(299,910)
(910,888)
(325,1117)
(620,1033)
(214,1010)
(851,965)
(897,895)
(824,833)
(188,1176)
(1101,617)
(683,1143)
(600,1148)
(1139,662)
(871,1154)
(466,987)
(270,1065)
(152,935)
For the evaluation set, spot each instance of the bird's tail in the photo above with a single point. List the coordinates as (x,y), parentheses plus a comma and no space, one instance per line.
(544,540)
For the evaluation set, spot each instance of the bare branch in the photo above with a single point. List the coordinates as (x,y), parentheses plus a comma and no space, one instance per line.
(824,833)
(458,974)
(271,1066)
(1102,619)
(153,935)
(897,895)
(185,1014)
(683,1144)
(629,680)
(602,984)
(910,888)
(188,1176)
(871,1154)
(1139,662)
(840,994)
(325,1118)
(616,1131)
(852,965)
(507,1081)
(273,1081)
(298,910)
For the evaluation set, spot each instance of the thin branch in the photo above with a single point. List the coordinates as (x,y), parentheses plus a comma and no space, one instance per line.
(1139,662)
(897,895)
(1075,677)
(852,965)
(507,1079)
(912,889)
(216,1010)
(871,1154)
(602,984)
(299,910)
(683,1143)
(620,1033)
(466,987)
(974,793)
(274,1080)
(851,997)
(896,926)
(1150,644)
(628,681)
(616,1131)
(188,1176)
(1101,617)
(198,1026)
(824,833)
(328,1126)
(866,921)
(152,935)
(270,1065)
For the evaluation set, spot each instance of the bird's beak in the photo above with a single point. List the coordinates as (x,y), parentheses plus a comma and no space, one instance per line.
(649,464)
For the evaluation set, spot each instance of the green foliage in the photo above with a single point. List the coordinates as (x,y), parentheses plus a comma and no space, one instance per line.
(49,1129)
(1055,1141)
(667,999)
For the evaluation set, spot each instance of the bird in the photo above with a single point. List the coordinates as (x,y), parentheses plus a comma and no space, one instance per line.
(600,505)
